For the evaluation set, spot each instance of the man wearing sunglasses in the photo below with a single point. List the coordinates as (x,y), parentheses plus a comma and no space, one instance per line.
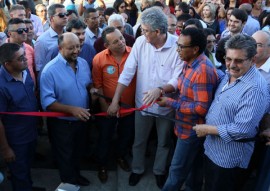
(46,43)
(196,86)
(38,28)
(17,32)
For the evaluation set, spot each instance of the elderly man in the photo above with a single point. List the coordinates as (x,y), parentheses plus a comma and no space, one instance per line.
(196,89)
(241,100)
(262,62)
(64,85)
(107,66)
(172,24)
(18,134)
(116,21)
(46,42)
(155,61)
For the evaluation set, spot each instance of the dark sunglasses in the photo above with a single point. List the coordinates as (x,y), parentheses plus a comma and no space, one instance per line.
(20,30)
(62,15)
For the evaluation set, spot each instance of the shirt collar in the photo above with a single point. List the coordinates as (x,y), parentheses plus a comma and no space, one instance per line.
(52,32)
(266,66)
(9,77)
(63,60)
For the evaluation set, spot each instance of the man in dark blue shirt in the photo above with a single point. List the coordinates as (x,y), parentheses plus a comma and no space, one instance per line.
(17,133)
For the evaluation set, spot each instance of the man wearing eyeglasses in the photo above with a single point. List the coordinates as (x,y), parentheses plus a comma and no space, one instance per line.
(262,61)
(155,61)
(17,32)
(196,86)
(45,44)
(18,134)
(241,100)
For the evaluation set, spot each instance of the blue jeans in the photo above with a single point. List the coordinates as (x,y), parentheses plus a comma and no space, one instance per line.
(20,169)
(183,160)
(125,133)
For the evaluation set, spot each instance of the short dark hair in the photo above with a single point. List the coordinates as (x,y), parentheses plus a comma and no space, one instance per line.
(209,31)
(28,21)
(109,11)
(195,22)
(197,38)
(25,4)
(89,10)
(184,7)
(53,7)
(158,4)
(14,21)
(106,31)
(7,51)
(240,14)
(76,24)
(184,17)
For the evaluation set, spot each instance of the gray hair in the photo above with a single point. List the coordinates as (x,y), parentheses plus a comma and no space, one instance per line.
(52,9)
(155,19)
(116,17)
(242,42)
(212,9)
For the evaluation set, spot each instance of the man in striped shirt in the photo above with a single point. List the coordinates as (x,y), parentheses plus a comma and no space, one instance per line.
(196,86)
(240,102)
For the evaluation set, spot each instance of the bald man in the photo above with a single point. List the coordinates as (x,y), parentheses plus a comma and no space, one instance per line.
(64,86)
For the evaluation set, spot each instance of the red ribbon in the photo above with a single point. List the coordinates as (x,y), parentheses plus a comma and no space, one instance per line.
(60,114)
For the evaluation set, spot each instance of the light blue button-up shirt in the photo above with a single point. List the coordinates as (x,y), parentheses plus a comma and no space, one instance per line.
(90,37)
(44,48)
(236,111)
(59,82)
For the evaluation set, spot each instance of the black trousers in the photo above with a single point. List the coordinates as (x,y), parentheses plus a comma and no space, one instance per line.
(222,179)
(67,142)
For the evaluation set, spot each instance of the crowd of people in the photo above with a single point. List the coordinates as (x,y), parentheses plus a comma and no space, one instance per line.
(199,70)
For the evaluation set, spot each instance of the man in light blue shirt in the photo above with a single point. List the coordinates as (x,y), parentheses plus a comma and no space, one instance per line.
(92,31)
(241,100)
(252,25)
(46,43)
(64,85)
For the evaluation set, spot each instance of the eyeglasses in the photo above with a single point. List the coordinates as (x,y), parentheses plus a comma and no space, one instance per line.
(236,61)
(261,45)
(62,15)
(211,41)
(180,46)
(20,30)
